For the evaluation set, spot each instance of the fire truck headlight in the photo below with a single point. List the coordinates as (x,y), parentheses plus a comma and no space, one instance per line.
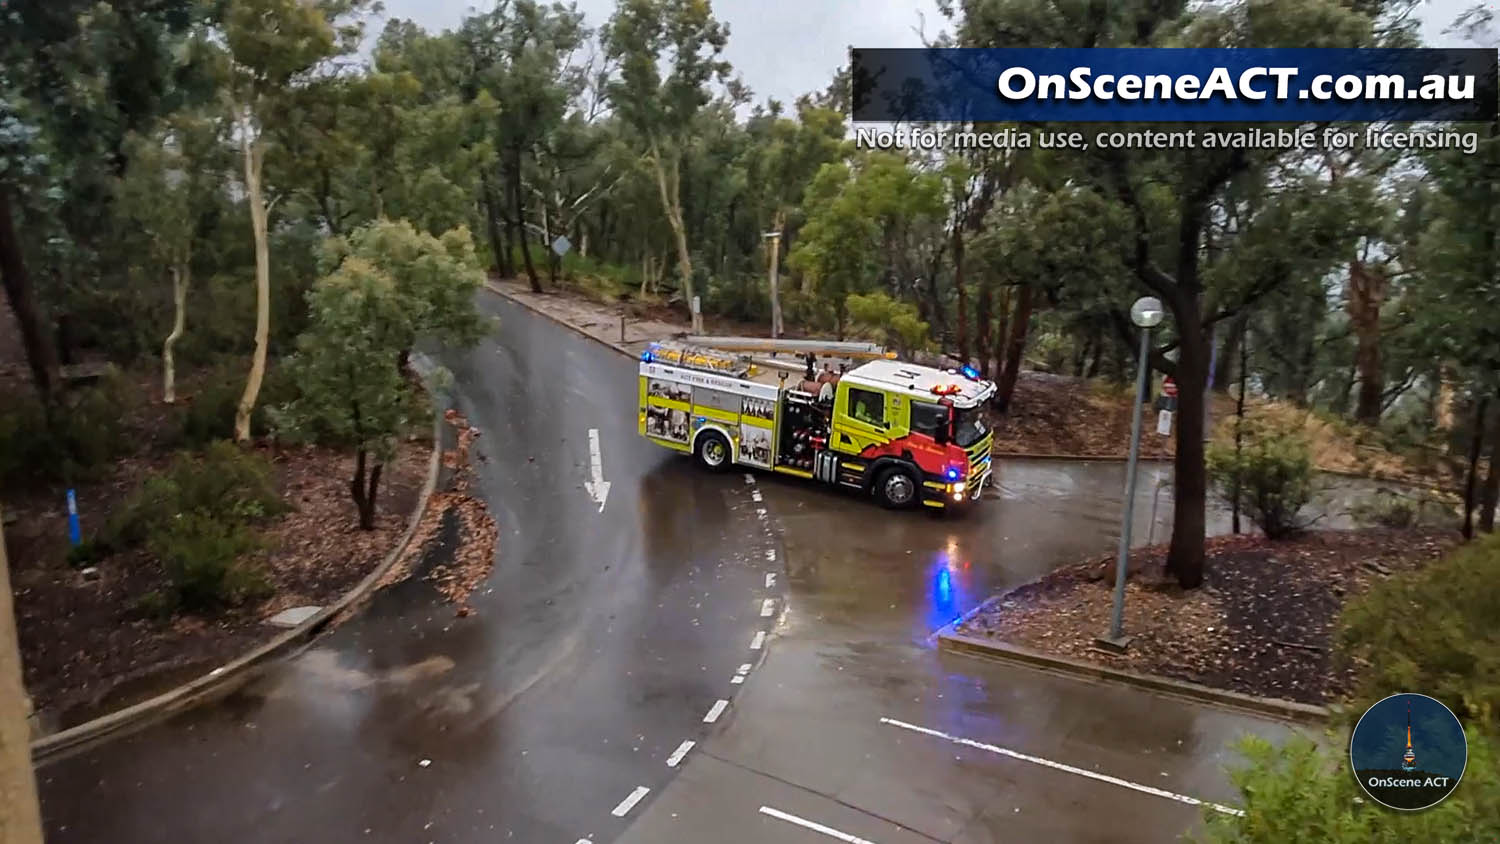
(959,487)
(958,496)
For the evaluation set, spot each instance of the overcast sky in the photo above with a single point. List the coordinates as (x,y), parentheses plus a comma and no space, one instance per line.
(784,48)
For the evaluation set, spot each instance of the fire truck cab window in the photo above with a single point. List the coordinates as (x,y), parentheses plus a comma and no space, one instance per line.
(929,419)
(866,406)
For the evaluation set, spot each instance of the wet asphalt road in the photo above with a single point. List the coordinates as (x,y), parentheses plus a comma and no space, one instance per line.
(603,639)
(598,645)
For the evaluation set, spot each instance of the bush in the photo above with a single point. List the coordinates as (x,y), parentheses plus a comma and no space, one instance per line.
(1301,792)
(1451,651)
(1387,508)
(208,414)
(202,556)
(1271,474)
(226,483)
(86,431)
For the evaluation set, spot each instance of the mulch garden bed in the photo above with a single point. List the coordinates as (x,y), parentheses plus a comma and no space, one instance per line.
(1262,623)
(88,647)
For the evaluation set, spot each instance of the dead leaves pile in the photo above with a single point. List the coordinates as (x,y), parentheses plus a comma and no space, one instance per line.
(474,555)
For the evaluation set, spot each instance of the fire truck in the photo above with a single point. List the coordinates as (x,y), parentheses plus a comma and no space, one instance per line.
(904,434)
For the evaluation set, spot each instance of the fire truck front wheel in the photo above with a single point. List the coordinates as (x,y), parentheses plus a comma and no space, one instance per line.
(896,488)
(713,451)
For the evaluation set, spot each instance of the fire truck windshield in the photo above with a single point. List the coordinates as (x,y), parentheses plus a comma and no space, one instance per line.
(969,427)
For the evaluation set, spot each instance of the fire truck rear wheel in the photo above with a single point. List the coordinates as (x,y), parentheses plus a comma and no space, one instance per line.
(713,451)
(896,488)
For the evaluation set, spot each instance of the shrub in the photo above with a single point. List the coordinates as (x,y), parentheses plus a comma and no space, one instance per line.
(1271,474)
(1387,508)
(86,431)
(1451,651)
(202,556)
(208,414)
(1301,792)
(226,483)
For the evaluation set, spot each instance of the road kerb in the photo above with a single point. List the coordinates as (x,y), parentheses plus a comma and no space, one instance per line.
(224,678)
(996,649)
(542,312)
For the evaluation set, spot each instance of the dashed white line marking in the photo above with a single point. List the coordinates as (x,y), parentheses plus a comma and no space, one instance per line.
(584,841)
(745,668)
(681,751)
(715,711)
(760,639)
(770,579)
(737,679)
(749,478)
(767,607)
(814,826)
(755,496)
(1058,766)
(761,512)
(771,556)
(629,802)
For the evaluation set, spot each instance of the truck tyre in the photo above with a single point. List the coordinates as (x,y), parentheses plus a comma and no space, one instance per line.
(714,452)
(896,488)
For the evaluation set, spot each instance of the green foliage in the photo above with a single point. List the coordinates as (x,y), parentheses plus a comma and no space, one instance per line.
(84,433)
(1303,792)
(226,483)
(434,280)
(203,557)
(350,391)
(888,321)
(1453,654)
(1393,509)
(1450,649)
(208,414)
(1271,474)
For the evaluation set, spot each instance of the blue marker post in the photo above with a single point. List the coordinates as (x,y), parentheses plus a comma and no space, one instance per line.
(75,535)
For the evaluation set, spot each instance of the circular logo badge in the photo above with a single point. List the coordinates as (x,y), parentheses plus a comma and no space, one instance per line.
(1408,752)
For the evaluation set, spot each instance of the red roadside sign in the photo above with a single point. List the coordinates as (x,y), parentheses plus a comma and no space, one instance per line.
(1169,387)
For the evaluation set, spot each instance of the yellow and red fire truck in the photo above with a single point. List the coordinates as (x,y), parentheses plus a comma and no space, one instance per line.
(903,433)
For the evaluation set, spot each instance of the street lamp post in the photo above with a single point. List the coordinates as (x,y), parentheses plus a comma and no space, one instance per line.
(1147,314)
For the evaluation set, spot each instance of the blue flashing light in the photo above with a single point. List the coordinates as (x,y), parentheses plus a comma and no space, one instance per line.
(952,473)
(646,356)
(971,372)
(944,590)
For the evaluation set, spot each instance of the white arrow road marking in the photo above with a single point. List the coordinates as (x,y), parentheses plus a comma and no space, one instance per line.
(598,488)
(681,751)
(815,827)
(770,579)
(629,802)
(1058,766)
(767,607)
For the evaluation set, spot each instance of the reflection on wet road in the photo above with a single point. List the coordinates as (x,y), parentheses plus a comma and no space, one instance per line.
(617,682)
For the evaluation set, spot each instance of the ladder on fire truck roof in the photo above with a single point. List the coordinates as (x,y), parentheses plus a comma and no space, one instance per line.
(853,351)
(718,354)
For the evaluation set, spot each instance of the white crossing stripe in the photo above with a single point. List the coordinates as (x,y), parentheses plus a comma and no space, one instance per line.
(814,826)
(681,751)
(1058,766)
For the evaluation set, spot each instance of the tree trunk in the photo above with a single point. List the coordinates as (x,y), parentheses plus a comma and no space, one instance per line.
(20,814)
(1476,447)
(777,224)
(518,209)
(962,289)
(498,246)
(1228,351)
(41,356)
(254,155)
(983,322)
(1364,294)
(1015,347)
(1190,481)
(671,205)
(1490,495)
(179,323)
